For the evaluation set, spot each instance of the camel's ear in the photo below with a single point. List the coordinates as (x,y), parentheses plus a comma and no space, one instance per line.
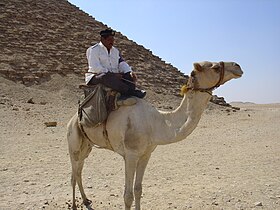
(197,66)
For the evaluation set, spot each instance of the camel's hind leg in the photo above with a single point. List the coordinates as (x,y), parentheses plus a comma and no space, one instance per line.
(79,149)
(77,167)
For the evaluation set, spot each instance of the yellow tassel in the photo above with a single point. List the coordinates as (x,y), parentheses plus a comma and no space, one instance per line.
(184,90)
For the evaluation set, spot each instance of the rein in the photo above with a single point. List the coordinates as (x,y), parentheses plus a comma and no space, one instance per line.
(222,74)
(191,82)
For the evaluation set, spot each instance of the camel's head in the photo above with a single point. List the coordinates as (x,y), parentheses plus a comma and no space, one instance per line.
(207,76)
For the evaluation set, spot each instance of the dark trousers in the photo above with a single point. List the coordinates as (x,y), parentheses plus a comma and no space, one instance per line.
(122,83)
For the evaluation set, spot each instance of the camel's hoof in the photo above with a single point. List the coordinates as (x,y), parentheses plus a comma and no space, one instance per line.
(87,202)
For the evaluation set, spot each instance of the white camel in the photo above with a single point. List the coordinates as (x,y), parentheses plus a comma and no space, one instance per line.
(135,131)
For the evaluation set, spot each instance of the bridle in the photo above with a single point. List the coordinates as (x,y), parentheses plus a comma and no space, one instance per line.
(192,83)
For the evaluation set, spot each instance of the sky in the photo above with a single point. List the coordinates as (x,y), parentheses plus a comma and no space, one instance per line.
(182,32)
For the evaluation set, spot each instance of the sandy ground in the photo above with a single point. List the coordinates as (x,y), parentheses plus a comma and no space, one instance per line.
(231,160)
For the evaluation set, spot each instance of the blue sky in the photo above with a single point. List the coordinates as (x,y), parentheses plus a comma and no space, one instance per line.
(182,32)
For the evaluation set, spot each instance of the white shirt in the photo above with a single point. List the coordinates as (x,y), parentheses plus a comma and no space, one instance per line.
(101,62)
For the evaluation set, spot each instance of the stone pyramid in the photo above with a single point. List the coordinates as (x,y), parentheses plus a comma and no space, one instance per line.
(43,37)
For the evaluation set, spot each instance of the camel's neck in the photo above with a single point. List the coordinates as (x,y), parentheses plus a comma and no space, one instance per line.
(185,118)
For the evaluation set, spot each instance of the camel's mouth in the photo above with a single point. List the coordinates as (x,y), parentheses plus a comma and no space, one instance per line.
(237,73)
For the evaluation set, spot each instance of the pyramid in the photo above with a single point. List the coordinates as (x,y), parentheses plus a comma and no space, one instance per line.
(44,37)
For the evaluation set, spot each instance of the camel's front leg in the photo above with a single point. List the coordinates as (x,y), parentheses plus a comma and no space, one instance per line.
(130,167)
(140,170)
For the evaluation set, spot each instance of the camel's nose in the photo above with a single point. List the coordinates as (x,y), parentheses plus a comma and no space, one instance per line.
(237,70)
(236,64)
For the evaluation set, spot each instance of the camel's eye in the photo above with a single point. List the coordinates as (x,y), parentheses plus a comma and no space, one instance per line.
(216,67)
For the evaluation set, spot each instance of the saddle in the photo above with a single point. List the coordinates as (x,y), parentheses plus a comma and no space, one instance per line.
(97,104)
(111,95)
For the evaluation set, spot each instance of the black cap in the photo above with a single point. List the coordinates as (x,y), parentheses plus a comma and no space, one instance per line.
(107,32)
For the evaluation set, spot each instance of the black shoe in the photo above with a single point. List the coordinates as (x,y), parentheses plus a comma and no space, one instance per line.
(139,93)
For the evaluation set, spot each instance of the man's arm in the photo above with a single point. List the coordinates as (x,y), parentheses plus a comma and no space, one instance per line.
(123,66)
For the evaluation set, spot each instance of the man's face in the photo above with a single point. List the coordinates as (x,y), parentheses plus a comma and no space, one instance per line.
(108,42)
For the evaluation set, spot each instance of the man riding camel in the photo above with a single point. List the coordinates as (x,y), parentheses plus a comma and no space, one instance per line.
(107,67)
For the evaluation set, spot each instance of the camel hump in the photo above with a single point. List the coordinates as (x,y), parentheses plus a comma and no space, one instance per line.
(127,102)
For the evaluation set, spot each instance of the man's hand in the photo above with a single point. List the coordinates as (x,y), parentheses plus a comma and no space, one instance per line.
(134,77)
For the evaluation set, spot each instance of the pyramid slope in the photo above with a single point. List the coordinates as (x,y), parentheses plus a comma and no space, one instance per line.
(44,37)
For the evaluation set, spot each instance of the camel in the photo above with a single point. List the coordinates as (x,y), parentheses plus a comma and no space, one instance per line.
(135,131)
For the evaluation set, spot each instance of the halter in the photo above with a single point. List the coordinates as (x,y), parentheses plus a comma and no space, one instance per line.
(192,82)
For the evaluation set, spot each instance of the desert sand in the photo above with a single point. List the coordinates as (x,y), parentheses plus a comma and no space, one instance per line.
(231,160)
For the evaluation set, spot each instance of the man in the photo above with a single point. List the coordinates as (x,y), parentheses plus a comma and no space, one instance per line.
(106,66)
